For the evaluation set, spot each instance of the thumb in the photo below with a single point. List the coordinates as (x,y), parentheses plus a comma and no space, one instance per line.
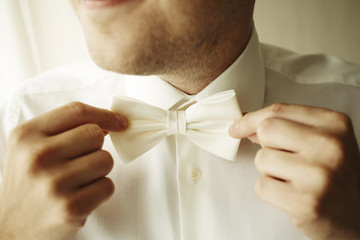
(75,114)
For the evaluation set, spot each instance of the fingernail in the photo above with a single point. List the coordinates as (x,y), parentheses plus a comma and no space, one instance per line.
(234,129)
(124,123)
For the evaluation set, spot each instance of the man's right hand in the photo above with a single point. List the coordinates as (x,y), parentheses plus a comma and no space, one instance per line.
(54,174)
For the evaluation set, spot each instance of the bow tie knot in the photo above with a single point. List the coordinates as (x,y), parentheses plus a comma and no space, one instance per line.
(205,123)
(176,122)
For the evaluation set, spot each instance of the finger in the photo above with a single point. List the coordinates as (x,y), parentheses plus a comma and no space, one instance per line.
(316,117)
(283,134)
(88,198)
(277,193)
(75,114)
(79,141)
(315,145)
(84,170)
(282,165)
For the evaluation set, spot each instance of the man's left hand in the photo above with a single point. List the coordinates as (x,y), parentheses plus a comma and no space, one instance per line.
(311,165)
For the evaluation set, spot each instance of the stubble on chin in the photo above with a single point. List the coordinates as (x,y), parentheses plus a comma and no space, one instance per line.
(156,44)
(149,46)
(134,47)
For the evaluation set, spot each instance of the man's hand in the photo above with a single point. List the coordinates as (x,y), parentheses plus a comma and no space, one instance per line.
(311,166)
(54,175)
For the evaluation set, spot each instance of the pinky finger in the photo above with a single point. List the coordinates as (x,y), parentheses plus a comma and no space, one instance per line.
(278,193)
(91,196)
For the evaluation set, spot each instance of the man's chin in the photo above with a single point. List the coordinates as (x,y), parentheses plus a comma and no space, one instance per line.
(127,67)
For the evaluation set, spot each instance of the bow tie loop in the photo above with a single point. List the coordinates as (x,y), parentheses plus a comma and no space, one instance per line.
(176,120)
(205,123)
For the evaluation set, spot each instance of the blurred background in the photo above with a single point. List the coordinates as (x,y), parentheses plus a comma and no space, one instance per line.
(37,35)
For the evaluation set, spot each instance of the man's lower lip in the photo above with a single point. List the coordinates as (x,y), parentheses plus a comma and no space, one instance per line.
(102,3)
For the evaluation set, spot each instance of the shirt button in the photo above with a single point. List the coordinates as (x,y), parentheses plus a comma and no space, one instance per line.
(195,175)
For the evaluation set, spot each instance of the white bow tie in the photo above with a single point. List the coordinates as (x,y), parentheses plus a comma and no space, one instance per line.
(205,123)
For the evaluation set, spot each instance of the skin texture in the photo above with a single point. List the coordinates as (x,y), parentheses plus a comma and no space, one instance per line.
(47,184)
(49,187)
(51,183)
(187,43)
(311,166)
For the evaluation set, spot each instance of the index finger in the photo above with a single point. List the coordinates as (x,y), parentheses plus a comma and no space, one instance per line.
(249,123)
(75,114)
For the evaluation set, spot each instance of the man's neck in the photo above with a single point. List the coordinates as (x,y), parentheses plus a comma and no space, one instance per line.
(195,78)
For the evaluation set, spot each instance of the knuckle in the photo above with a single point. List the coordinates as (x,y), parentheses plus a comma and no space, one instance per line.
(77,108)
(107,161)
(310,205)
(313,208)
(335,149)
(304,217)
(244,120)
(108,116)
(108,186)
(40,156)
(56,187)
(94,131)
(278,108)
(322,181)
(265,126)
(16,135)
(336,157)
(20,133)
(68,208)
(259,158)
(72,208)
(307,209)
(70,212)
(340,120)
(340,117)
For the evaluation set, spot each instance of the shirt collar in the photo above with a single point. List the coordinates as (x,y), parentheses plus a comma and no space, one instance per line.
(246,76)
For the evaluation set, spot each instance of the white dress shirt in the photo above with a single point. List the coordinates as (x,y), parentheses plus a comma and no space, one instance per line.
(176,190)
